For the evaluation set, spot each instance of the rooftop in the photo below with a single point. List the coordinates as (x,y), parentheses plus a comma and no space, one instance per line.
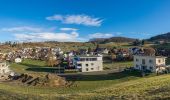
(89,55)
(152,56)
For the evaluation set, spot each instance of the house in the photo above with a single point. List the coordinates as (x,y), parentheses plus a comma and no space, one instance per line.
(160,42)
(143,62)
(101,50)
(18,60)
(4,68)
(82,51)
(89,63)
(105,51)
(135,50)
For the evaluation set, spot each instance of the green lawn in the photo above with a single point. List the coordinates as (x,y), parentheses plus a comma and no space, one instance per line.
(27,63)
(116,65)
(107,86)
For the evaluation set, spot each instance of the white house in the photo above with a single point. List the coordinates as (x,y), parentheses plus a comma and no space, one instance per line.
(142,62)
(89,63)
(18,60)
(4,68)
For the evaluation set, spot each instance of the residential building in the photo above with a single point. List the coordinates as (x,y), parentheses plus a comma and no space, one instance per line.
(143,62)
(89,63)
(18,60)
(4,68)
(101,50)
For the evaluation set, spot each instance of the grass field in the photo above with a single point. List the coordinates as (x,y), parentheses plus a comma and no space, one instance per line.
(125,85)
(116,65)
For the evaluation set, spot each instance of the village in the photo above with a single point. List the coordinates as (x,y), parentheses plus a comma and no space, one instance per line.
(84,50)
(143,59)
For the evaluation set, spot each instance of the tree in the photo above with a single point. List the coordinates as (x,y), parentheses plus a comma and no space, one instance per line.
(143,42)
(51,59)
(136,42)
(97,47)
(89,50)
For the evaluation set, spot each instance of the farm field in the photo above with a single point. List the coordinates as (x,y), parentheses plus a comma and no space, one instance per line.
(123,85)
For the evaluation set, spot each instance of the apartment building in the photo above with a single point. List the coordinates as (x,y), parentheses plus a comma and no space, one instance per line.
(150,63)
(89,63)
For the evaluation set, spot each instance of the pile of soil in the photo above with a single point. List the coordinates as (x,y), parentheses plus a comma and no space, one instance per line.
(51,80)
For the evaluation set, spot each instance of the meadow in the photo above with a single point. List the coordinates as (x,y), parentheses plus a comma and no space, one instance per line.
(124,85)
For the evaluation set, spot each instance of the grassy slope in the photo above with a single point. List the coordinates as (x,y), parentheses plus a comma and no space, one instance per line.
(145,88)
(119,85)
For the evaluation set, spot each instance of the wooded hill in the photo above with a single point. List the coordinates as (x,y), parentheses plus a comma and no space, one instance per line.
(112,39)
(164,37)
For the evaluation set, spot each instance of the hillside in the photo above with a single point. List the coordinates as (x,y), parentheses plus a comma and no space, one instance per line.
(112,39)
(148,88)
(116,86)
(165,37)
(65,46)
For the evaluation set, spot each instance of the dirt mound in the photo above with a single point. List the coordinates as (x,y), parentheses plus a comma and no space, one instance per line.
(51,80)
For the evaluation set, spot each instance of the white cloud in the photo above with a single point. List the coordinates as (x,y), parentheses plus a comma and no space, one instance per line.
(68,29)
(48,36)
(77,19)
(22,29)
(100,35)
(118,33)
(55,17)
(27,33)
(141,33)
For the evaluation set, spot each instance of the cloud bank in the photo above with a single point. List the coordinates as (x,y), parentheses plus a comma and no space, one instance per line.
(27,33)
(100,35)
(76,19)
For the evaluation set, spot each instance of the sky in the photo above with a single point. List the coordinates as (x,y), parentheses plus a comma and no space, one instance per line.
(81,20)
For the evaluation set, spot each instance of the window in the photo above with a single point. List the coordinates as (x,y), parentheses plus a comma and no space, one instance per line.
(93,59)
(92,68)
(2,65)
(79,64)
(159,61)
(137,66)
(87,59)
(82,59)
(87,69)
(163,60)
(151,68)
(150,61)
(137,60)
(87,65)
(143,61)
(92,64)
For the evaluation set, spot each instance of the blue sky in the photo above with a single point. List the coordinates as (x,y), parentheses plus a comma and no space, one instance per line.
(80,20)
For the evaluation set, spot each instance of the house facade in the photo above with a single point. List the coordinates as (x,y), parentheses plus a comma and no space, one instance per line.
(89,63)
(4,68)
(150,63)
(18,60)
